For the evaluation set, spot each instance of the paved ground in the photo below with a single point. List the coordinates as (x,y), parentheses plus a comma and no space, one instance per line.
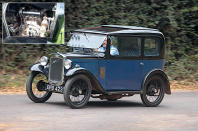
(178,112)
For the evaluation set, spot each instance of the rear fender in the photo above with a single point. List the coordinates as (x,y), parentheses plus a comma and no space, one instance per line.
(164,77)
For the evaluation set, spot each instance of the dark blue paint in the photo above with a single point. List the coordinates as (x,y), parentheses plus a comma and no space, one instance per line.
(89,64)
(123,74)
(152,64)
(120,74)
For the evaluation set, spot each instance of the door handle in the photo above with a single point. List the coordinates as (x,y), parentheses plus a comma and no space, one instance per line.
(141,63)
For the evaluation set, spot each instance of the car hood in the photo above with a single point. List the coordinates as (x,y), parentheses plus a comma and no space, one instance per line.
(82,55)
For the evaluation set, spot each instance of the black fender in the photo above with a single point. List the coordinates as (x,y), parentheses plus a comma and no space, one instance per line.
(74,71)
(94,82)
(39,68)
(160,73)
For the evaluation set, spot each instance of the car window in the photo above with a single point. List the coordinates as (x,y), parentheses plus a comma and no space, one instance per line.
(127,46)
(151,47)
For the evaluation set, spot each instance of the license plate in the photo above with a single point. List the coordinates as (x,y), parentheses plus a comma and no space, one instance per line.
(54,88)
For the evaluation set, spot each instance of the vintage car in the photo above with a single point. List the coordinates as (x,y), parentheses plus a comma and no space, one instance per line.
(108,62)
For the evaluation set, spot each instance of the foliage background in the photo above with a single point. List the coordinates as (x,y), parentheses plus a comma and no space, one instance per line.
(178,20)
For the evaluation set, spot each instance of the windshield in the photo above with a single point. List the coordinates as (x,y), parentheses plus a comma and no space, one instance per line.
(86,40)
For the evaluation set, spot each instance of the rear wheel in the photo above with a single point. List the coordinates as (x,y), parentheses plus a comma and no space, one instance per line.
(33,89)
(77,91)
(153,93)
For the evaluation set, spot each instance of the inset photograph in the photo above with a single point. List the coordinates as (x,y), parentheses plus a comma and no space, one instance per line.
(33,23)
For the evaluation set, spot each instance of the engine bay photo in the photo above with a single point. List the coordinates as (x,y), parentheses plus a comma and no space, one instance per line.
(32,20)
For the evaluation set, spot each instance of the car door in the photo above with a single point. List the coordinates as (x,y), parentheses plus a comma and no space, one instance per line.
(123,71)
(153,54)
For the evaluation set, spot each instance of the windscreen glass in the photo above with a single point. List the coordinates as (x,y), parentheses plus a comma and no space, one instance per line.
(85,40)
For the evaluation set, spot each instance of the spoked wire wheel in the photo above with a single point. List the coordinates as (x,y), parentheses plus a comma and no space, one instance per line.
(34,87)
(153,92)
(77,91)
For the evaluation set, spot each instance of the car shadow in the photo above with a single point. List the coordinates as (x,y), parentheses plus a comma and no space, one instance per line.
(103,104)
(56,103)
(118,103)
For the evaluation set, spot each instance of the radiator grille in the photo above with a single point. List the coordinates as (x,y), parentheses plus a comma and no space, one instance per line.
(56,71)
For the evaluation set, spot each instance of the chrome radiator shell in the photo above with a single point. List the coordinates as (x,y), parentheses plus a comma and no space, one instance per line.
(56,70)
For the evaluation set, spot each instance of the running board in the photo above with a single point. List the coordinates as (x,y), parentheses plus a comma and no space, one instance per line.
(123,92)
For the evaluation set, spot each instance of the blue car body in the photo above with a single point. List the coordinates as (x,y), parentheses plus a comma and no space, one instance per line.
(127,78)
(114,73)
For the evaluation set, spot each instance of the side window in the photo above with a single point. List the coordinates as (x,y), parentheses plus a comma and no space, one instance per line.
(127,46)
(151,47)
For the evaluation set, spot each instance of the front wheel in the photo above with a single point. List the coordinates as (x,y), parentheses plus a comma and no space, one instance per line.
(77,91)
(153,92)
(33,88)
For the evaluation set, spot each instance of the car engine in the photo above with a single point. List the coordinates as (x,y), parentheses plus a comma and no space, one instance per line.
(30,21)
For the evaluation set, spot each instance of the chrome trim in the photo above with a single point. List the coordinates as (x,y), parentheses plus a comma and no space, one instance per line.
(4,7)
(31,13)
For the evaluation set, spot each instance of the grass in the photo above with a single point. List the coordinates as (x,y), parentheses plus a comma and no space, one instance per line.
(12,80)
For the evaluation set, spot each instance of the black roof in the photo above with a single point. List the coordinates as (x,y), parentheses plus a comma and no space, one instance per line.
(118,29)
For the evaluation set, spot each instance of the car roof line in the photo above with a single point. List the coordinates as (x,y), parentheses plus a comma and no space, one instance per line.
(129,27)
(121,30)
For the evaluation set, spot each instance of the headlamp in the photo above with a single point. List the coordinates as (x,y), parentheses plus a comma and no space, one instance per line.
(43,60)
(68,64)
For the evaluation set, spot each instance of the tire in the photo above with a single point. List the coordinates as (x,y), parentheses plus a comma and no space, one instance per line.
(150,88)
(30,92)
(76,86)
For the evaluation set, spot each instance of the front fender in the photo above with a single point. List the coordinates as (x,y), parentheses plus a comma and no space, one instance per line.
(74,71)
(94,82)
(39,68)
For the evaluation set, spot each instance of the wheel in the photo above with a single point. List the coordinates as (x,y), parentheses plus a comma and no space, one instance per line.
(77,91)
(153,92)
(32,88)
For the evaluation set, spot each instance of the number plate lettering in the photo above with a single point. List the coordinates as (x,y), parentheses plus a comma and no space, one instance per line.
(54,88)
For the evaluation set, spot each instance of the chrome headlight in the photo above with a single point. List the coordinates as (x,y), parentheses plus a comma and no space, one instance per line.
(68,64)
(43,60)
